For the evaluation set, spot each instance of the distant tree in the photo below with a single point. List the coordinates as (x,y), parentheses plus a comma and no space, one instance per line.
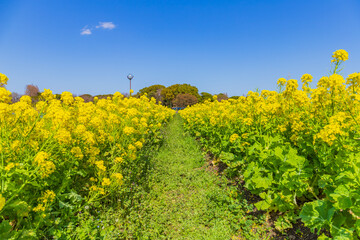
(157,95)
(206,96)
(169,94)
(15,97)
(103,96)
(152,91)
(234,97)
(57,96)
(32,90)
(184,100)
(87,97)
(222,96)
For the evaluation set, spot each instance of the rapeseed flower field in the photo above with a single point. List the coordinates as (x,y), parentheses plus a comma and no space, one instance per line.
(61,155)
(298,149)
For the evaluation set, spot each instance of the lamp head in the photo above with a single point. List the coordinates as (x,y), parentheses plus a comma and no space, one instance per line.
(130,76)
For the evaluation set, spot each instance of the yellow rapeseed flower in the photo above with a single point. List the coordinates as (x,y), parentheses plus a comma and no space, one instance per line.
(5,95)
(45,200)
(26,99)
(138,144)
(131,147)
(48,196)
(119,159)
(63,136)
(3,79)
(2,202)
(118,177)
(46,167)
(129,130)
(340,55)
(234,137)
(9,166)
(106,182)
(100,165)
(47,95)
(77,152)
(281,81)
(39,208)
(67,98)
(353,79)
(306,78)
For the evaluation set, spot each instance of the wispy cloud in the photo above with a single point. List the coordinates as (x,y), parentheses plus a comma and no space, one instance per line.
(85,31)
(106,25)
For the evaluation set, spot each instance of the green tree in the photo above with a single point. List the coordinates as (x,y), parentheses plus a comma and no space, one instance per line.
(206,96)
(222,96)
(152,91)
(234,97)
(169,94)
(184,100)
(87,97)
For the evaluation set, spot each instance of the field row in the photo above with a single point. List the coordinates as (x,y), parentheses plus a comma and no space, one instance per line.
(297,149)
(61,157)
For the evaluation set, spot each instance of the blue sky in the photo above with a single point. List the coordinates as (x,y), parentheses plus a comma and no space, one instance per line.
(218,46)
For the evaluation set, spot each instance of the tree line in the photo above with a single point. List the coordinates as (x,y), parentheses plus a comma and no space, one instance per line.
(177,95)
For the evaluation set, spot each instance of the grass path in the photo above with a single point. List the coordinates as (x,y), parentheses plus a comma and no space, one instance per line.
(184,200)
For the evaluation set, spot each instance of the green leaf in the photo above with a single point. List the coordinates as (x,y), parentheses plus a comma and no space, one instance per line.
(338,219)
(342,198)
(279,153)
(262,182)
(65,205)
(325,180)
(5,229)
(323,237)
(226,157)
(28,235)
(262,205)
(75,197)
(357,227)
(293,159)
(81,173)
(21,208)
(17,209)
(282,223)
(317,214)
(343,234)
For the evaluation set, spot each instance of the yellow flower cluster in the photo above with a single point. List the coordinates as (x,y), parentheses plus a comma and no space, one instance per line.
(62,143)
(340,55)
(300,143)
(106,182)
(129,130)
(118,177)
(3,79)
(306,78)
(46,167)
(234,137)
(45,200)
(2,202)
(325,114)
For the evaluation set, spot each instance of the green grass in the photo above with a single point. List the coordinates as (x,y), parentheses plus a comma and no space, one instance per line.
(180,199)
(185,201)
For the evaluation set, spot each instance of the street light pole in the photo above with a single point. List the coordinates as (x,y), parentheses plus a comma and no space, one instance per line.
(130,76)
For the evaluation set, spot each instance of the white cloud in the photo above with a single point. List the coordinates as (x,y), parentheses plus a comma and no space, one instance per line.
(85,31)
(106,25)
